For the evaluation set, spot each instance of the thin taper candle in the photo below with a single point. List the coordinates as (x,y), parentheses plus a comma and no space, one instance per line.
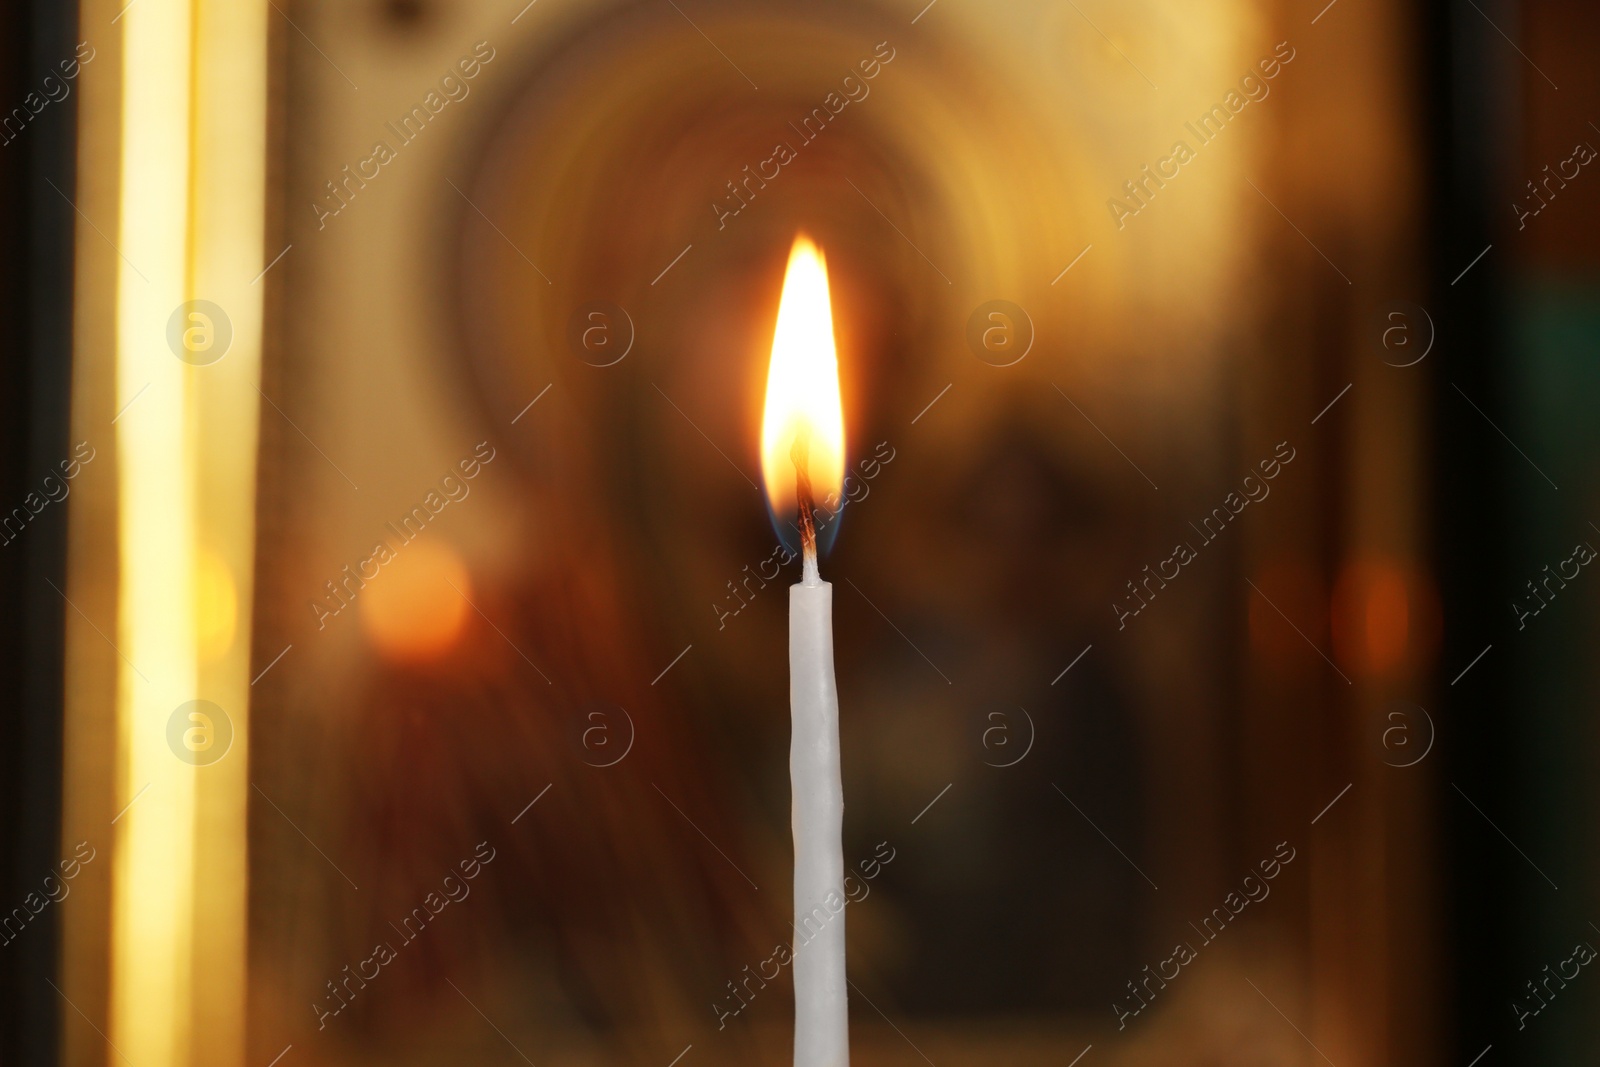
(802,436)
(821,1013)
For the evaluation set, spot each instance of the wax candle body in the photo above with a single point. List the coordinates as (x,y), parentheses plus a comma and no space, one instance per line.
(821,1017)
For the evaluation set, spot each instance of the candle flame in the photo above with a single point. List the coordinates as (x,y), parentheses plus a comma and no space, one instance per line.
(803,389)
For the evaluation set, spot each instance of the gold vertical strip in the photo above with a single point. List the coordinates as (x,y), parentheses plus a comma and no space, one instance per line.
(228,206)
(152,893)
(191,204)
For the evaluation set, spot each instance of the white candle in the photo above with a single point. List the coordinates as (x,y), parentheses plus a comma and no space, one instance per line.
(821,1019)
(802,448)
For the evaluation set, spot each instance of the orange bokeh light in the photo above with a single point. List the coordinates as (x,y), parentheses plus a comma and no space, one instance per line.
(416,608)
(1375,616)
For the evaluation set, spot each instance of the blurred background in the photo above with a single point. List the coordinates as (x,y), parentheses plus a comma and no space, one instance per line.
(394,659)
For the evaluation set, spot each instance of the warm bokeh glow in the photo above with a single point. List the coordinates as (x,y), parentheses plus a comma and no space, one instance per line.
(803,385)
(1372,616)
(414,611)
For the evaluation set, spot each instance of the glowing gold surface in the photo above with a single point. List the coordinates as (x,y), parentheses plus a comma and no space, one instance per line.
(190,202)
(154,848)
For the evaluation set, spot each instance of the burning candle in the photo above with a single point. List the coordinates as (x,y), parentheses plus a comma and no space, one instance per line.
(802,456)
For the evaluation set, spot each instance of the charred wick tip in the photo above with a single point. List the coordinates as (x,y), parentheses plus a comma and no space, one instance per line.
(801,455)
(808,525)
